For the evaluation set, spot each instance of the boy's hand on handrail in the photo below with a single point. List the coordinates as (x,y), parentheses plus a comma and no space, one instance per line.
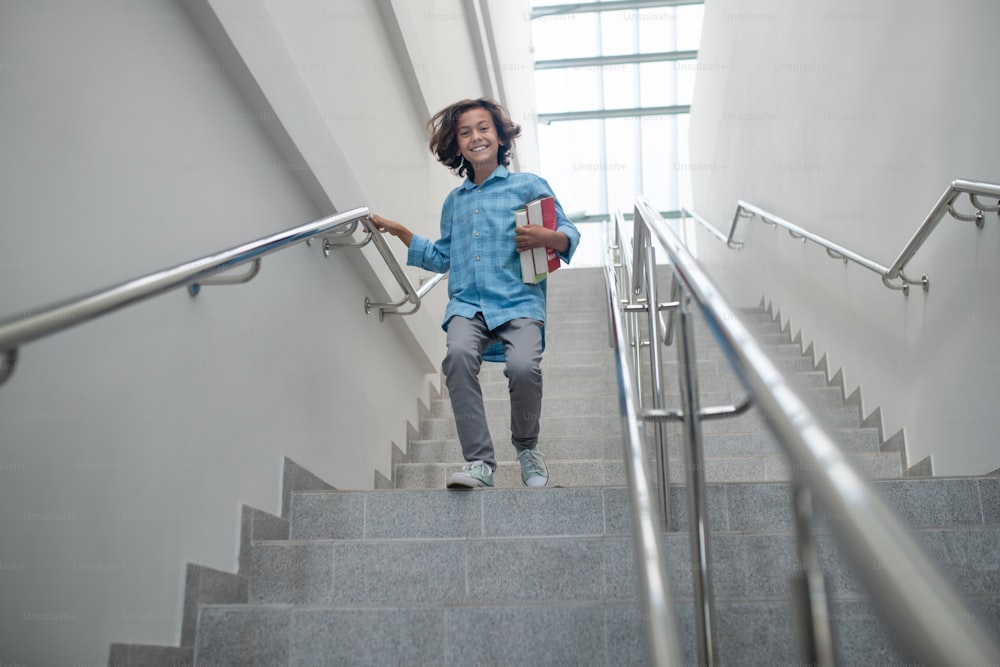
(385,225)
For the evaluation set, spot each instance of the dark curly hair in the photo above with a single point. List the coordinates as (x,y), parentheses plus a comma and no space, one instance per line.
(444,137)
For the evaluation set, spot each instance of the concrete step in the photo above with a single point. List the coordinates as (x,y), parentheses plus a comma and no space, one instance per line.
(562,426)
(604,420)
(611,446)
(268,635)
(602,382)
(606,471)
(603,379)
(938,503)
(788,358)
(555,448)
(751,634)
(571,473)
(592,335)
(474,570)
(499,408)
(752,421)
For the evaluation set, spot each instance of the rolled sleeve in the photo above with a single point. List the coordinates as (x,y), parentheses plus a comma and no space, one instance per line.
(427,255)
(564,225)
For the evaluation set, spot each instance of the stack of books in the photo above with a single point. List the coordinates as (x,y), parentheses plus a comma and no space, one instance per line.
(537,263)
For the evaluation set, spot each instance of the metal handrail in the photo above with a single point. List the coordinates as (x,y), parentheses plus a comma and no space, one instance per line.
(411,295)
(18,330)
(634,304)
(644,299)
(895,271)
(663,646)
(685,213)
(928,619)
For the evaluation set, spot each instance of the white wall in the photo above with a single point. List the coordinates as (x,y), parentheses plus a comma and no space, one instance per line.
(511,23)
(850,119)
(134,137)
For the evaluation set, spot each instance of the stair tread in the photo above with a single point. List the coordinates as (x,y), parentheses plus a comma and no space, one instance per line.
(733,506)
(570,567)
(575,633)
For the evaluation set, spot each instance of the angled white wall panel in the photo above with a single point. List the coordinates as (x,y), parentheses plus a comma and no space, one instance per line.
(850,120)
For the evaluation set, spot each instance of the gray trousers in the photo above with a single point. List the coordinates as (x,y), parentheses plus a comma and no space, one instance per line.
(522,342)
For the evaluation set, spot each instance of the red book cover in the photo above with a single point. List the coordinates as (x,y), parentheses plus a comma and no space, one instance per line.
(543,212)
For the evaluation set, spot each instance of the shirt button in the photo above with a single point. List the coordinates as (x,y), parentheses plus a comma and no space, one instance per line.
(477,258)
(476,234)
(477,211)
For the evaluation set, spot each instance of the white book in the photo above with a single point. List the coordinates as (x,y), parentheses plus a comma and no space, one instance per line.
(534,262)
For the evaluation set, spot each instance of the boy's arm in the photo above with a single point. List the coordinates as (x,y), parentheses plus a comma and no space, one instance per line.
(396,229)
(563,239)
(537,236)
(421,252)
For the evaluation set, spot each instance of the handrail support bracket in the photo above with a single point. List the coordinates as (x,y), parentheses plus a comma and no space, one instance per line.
(7,364)
(194,289)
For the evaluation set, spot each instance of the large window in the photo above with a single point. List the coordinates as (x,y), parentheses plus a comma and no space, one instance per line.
(613,90)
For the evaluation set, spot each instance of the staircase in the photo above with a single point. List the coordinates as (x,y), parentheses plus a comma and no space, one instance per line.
(418,575)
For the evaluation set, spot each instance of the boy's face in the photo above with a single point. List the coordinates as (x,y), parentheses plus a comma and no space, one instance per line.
(477,139)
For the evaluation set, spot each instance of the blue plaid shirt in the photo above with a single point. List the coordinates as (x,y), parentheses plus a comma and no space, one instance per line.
(477,246)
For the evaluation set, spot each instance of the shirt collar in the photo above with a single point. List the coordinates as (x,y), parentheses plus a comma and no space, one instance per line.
(499,172)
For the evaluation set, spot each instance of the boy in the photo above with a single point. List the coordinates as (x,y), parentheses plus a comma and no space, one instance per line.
(489,304)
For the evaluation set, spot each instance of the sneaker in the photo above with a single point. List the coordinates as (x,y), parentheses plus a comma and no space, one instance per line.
(533,470)
(472,476)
